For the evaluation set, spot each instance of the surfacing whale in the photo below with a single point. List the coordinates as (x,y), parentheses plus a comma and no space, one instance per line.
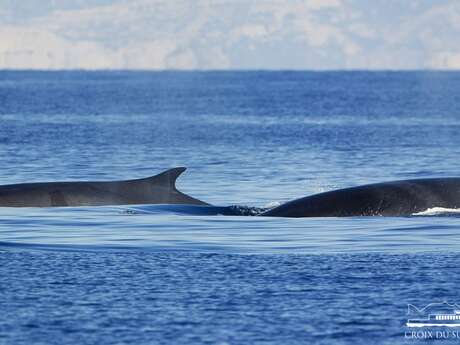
(159,189)
(397,198)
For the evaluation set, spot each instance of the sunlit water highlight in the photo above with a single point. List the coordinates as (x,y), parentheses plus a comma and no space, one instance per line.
(204,229)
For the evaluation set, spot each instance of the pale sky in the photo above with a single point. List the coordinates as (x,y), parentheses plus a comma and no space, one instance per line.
(229,34)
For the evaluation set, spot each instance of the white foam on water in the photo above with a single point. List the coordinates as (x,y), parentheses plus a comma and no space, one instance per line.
(435,211)
(272,204)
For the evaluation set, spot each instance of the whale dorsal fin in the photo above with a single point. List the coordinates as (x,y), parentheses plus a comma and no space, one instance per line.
(167,178)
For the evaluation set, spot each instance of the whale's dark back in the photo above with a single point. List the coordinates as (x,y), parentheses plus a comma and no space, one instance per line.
(158,189)
(398,198)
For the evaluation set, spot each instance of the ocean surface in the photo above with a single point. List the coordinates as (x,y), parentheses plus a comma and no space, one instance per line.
(168,274)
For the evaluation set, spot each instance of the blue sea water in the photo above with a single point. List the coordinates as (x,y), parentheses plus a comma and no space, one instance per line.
(159,274)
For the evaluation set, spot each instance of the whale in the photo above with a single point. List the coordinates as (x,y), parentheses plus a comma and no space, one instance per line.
(158,189)
(392,199)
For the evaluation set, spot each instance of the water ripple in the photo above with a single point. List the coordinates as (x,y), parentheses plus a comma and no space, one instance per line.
(109,228)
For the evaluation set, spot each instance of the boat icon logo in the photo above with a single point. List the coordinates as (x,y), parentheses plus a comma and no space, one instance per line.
(442,314)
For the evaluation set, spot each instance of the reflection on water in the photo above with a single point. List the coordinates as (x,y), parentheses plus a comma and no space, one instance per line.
(206,229)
